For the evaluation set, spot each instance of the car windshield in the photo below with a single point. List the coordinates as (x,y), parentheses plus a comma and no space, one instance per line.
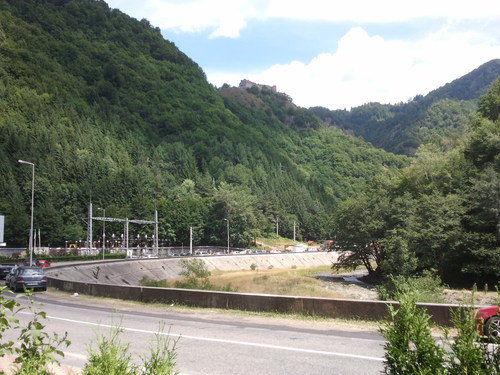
(32,271)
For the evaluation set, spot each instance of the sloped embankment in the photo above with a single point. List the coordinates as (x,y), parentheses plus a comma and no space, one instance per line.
(130,272)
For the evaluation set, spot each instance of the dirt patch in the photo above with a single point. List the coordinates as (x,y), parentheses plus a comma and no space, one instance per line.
(348,285)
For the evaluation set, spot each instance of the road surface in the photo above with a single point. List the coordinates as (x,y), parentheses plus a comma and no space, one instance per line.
(215,342)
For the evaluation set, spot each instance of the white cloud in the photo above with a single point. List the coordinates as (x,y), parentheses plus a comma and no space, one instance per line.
(367,68)
(363,67)
(228,17)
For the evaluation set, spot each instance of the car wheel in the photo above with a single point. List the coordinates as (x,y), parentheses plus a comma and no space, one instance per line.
(492,328)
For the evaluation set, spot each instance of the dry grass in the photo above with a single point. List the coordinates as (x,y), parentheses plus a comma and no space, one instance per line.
(288,282)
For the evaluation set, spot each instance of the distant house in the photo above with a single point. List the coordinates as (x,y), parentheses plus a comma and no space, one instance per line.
(246,84)
(298,248)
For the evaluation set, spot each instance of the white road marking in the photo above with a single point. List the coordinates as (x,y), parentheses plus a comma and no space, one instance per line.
(244,343)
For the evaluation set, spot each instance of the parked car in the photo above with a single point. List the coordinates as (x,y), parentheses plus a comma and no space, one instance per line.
(10,275)
(488,319)
(42,263)
(4,270)
(28,277)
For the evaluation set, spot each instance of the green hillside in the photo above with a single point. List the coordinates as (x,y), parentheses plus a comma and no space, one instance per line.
(402,127)
(112,113)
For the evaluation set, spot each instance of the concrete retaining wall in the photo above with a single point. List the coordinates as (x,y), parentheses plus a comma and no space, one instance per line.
(113,279)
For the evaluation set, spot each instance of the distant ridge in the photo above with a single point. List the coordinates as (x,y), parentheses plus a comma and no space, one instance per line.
(401,128)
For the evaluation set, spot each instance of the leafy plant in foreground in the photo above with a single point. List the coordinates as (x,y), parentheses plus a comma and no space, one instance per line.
(162,355)
(113,357)
(37,349)
(410,347)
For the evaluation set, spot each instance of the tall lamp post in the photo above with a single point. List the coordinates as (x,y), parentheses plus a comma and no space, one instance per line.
(30,245)
(227,220)
(103,230)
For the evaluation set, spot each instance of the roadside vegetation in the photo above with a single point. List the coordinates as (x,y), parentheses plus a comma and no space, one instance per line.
(292,282)
(438,216)
(298,281)
(38,351)
(195,275)
(411,348)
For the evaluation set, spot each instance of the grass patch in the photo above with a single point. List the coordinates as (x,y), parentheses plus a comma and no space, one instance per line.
(288,282)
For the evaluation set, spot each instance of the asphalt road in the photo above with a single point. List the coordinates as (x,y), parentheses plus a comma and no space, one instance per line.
(214,342)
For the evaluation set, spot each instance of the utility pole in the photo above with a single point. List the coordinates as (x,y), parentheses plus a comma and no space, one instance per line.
(103,230)
(190,240)
(227,235)
(30,245)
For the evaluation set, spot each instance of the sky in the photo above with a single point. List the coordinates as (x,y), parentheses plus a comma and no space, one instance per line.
(330,53)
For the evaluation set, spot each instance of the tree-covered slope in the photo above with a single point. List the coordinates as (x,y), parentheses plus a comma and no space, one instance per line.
(438,216)
(110,112)
(401,128)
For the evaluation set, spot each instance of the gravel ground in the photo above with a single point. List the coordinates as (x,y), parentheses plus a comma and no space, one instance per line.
(350,286)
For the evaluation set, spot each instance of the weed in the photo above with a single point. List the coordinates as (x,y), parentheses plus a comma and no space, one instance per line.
(95,272)
(162,355)
(111,358)
(497,298)
(36,349)
(146,281)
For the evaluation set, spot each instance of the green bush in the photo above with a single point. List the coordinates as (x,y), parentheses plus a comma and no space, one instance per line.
(197,277)
(111,357)
(411,349)
(426,288)
(146,281)
(36,348)
(162,355)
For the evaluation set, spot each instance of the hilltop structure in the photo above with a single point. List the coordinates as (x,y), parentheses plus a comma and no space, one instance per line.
(246,84)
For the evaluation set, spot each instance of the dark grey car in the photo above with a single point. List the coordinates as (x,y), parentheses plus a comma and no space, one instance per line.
(29,277)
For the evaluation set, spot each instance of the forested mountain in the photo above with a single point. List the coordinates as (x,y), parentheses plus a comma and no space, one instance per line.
(111,113)
(440,215)
(402,127)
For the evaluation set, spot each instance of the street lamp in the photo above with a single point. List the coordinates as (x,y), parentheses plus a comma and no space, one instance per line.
(103,230)
(30,245)
(227,220)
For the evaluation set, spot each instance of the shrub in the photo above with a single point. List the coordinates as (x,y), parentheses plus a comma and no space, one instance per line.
(162,355)
(426,288)
(111,357)
(197,277)
(410,348)
(36,348)
(146,281)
